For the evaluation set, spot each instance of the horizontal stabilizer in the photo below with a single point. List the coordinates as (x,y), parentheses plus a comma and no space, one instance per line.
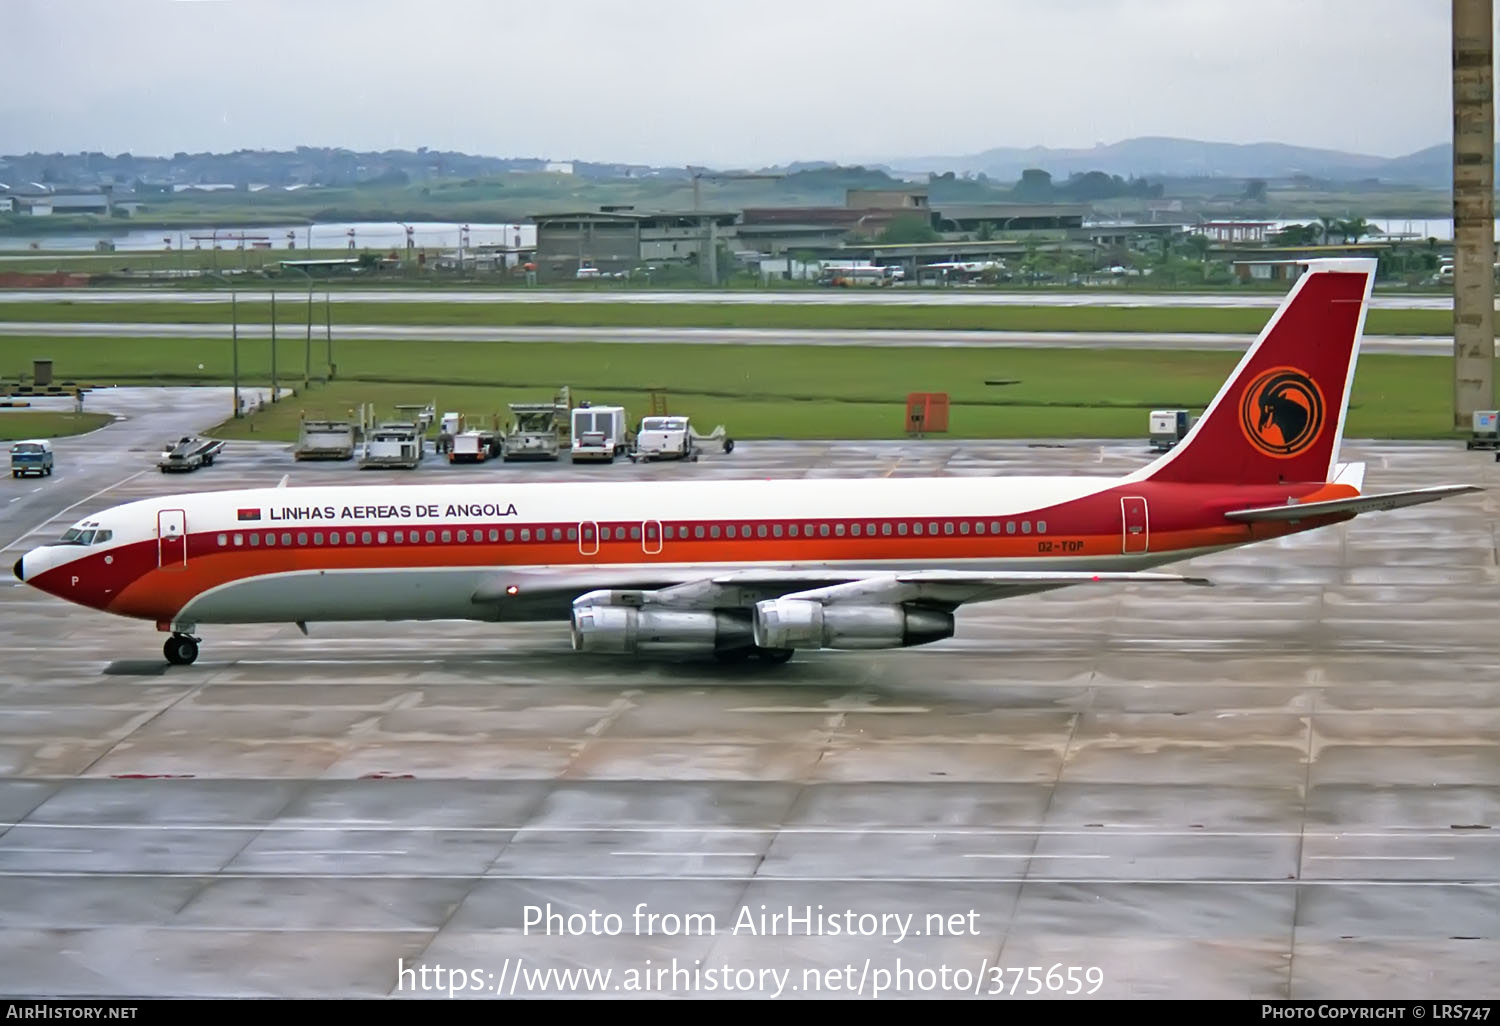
(1356,504)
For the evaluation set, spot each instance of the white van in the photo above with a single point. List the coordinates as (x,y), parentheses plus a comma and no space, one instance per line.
(599,433)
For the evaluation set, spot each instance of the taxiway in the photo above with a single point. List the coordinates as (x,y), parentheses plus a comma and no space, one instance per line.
(1287,786)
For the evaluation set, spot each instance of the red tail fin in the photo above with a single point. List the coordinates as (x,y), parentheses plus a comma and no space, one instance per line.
(1281,415)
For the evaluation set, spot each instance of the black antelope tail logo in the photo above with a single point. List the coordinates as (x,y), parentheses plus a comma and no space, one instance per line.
(1281,412)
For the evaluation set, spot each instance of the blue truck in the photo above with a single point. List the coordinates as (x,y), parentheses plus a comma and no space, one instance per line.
(31,457)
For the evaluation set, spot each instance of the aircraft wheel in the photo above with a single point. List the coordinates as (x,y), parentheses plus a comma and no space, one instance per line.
(774,655)
(181,650)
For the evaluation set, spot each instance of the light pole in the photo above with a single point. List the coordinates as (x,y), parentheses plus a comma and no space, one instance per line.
(273,347)
(328,327)
(307,365)
(234,336)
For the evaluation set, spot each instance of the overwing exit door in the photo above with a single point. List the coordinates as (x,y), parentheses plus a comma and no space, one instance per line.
(588,539)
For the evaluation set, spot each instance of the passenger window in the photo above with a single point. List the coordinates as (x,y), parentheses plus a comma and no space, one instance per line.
(239,540)
(380,537)
(270,539)
(333,538)
(286,538)
(572,534)
(869,529)
(666,532)
(698,531)
(744,530)
(301,537)
(854,530)
(399,536)
(317,537)
(901,528)
(979,527)
(463,536)
(823,530)
(994,527)
(223,540)
(525,534)
(364,538)
(838,530)
(510,534)
(729,531)
(1026,527)
(792,530)
(963,527)
(1041,527)
(885,528)
(495,534)
(713,532)
(932,527)
(1010,527)
(255,541)
(916,528)
(432,537)
(776,530)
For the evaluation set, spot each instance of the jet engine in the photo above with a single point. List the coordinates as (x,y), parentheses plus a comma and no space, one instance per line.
(602,628)
(799,623)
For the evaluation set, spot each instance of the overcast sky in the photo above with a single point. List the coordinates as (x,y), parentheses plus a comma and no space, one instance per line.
(719,82)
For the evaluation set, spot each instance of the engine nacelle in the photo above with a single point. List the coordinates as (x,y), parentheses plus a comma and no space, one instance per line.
(798,623)
(627,629)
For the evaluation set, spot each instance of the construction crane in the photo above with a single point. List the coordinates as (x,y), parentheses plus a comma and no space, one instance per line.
(700,173)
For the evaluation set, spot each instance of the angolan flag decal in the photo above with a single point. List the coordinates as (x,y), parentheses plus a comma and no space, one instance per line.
(249,514)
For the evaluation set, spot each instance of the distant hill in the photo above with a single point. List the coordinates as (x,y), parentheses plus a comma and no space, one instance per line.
(1161,157)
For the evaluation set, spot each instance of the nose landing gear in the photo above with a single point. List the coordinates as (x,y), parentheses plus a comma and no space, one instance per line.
(181,649)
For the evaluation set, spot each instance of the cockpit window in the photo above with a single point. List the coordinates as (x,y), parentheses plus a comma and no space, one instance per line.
(85,536)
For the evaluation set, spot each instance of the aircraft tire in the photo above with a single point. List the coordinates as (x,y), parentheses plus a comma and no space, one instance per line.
(773,655)
(180,651)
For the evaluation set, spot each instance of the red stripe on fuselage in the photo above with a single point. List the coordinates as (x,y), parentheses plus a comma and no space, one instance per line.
(128,579)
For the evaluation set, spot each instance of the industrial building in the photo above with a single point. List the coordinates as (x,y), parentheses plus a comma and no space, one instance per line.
(617,239)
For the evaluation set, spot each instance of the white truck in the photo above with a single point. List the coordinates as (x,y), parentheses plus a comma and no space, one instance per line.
(599,434)
(473,446)
(673,438)
(397,444)
(536,431)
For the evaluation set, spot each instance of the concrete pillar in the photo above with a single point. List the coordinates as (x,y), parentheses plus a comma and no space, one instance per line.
(1473,210)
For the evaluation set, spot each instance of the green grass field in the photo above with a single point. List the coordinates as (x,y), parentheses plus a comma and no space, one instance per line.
(16,424)
(714,315)
(755,391)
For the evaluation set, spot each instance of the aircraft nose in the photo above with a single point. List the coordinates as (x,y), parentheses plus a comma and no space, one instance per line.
(20,570)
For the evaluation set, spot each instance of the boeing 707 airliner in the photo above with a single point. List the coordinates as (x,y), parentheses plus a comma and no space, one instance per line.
(751,569)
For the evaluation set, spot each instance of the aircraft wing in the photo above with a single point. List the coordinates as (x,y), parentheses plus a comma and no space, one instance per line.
(1356,504)
(684,589)
(956,587)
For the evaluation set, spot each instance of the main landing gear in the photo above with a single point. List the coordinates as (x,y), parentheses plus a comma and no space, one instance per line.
(181,650)
(754,654)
